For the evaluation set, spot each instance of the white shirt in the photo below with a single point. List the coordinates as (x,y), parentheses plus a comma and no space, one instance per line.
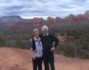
(39,48)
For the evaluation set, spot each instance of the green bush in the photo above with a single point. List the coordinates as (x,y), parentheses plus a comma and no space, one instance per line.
(2,41)
(76,42)
(69,49)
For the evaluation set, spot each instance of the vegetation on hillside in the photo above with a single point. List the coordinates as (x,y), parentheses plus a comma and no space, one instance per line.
(73,34)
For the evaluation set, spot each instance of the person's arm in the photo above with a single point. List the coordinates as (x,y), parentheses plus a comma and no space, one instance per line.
(32,52)
(55,43)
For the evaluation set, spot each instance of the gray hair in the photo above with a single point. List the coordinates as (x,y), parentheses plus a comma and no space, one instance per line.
(44,27)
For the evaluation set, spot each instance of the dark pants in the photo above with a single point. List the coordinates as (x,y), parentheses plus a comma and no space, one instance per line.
(48,58)
(37,63)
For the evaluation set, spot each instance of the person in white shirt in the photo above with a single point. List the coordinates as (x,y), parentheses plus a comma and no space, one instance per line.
(37,50)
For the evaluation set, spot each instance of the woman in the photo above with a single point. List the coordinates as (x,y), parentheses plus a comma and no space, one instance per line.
(37,51)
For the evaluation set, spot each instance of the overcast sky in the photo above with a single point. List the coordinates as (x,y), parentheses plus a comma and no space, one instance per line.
(43,8)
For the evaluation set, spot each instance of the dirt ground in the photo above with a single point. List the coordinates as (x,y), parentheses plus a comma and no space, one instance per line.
(18,59)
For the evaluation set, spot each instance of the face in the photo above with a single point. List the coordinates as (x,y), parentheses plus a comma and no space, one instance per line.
(45,31)
(36,33)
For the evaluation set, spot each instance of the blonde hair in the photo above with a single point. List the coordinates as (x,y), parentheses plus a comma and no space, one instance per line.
(35,30)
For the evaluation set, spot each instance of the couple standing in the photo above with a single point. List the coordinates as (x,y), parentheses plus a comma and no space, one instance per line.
(43,49)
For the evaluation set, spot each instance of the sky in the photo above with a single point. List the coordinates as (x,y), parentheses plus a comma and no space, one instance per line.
(42,8)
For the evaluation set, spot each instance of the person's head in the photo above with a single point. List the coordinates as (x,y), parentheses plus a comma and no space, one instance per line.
(36,33)
(45,29)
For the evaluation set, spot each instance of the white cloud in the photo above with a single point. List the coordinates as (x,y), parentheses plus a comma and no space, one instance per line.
(26,8)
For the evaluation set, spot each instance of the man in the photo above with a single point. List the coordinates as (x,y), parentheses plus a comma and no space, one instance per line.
(49,44)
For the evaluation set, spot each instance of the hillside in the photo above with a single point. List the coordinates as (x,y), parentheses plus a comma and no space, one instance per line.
(18,59)
(18,23)
(7,21)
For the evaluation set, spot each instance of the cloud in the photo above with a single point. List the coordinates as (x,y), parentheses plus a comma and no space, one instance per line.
(31,8)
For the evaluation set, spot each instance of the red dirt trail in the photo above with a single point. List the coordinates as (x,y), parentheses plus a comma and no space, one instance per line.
(18,59)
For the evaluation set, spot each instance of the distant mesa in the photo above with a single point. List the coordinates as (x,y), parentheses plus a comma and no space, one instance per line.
(17,23)
(9,18)
(6,21)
